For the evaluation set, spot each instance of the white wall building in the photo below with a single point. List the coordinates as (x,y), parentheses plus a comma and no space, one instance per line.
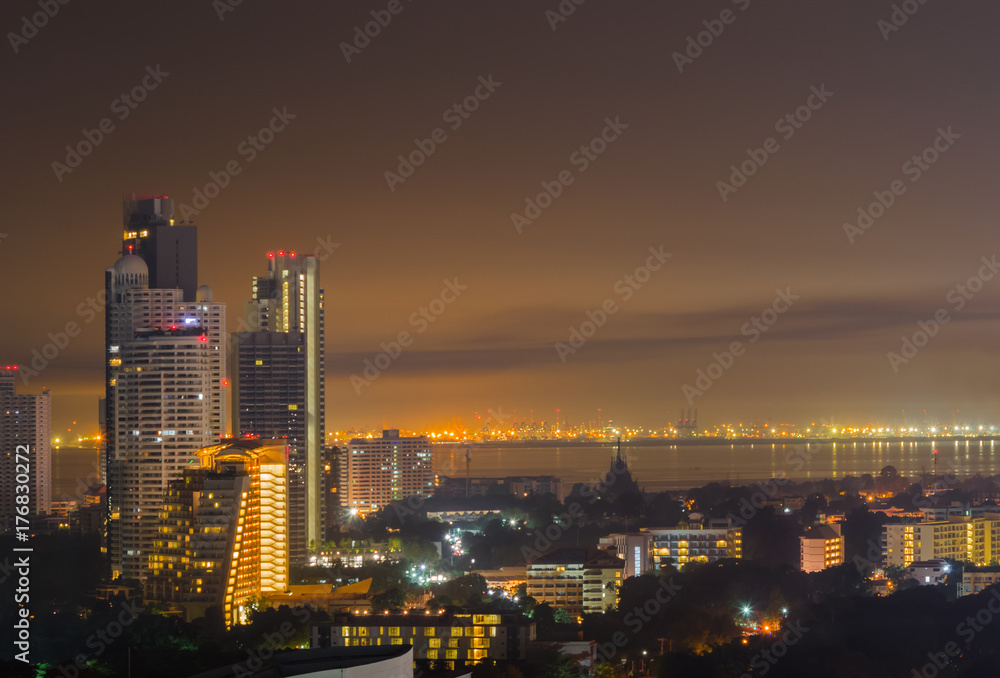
(376,472)
(166,372)
(821,547)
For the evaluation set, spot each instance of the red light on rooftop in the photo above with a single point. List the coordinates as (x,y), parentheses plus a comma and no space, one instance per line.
(293,254)
(281,252)
(270,255)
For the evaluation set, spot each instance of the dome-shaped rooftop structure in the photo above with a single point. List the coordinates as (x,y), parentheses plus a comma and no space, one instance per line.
(204,294)
(131,271)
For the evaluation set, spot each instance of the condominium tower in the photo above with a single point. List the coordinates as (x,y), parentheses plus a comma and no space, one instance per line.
(165,384)
(222,536)
(375,472)
(278,389)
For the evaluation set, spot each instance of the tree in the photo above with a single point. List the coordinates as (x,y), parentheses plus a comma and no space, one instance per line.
(467,590)
(393,599)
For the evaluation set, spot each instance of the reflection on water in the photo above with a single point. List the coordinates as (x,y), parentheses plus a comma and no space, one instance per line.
(665,466)
(74,469)
(659,467)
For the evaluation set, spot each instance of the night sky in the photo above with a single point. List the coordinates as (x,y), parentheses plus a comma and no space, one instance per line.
(676,134)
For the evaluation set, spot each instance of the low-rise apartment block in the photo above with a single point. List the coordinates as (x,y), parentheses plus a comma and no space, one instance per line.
(579,580)
(456,640)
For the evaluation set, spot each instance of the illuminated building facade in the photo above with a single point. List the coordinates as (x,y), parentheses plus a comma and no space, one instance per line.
(578,580)
(456,640)
(279,387)
(25,419)
(821,547)
(222,534)
(978,579)
(378,471)
(165,373)
(161,420)
(972,539)
(632,547)
(653,548)
(700,542)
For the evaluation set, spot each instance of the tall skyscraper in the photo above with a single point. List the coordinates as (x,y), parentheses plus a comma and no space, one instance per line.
(165,384)
(223,530)
(169,248)
(25,421)
(278,389)
(376,472)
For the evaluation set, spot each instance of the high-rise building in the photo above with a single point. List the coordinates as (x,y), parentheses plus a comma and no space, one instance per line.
(169,248)
(161,403)
(376,472)
(279,387)
(165,371)
(25,429)
(331,473)
(222,533)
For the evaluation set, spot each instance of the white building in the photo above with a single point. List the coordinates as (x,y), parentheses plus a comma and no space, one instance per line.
(929,572)
(821,547)
(376,472)
(694,541)
(25,429)
(166,374)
